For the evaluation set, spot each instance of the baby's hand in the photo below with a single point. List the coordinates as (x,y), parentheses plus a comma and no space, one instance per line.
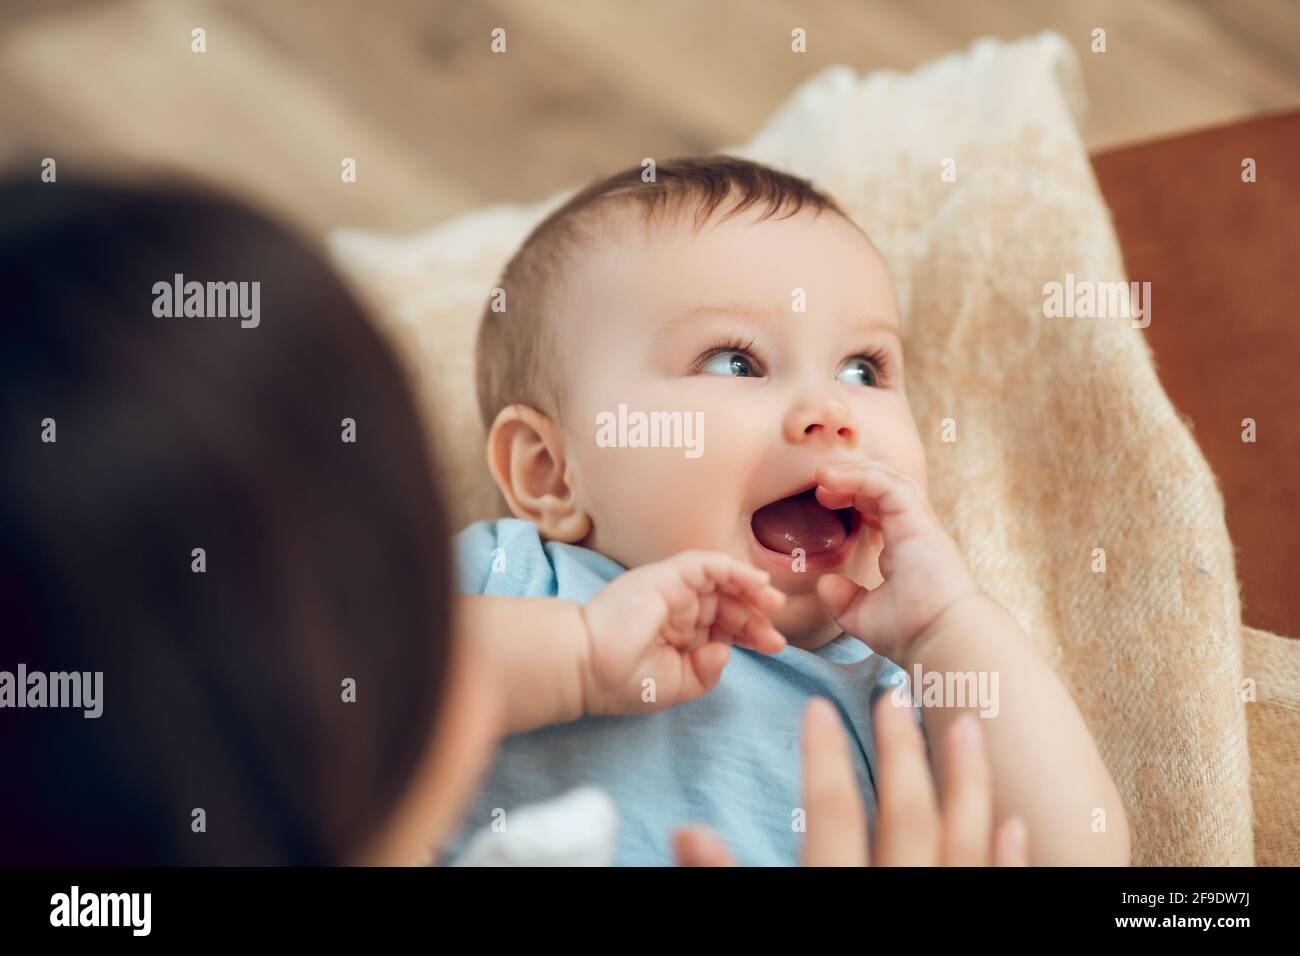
(660,635)
(924,571)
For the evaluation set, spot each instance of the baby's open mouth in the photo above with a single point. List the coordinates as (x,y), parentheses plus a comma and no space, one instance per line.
(800,521)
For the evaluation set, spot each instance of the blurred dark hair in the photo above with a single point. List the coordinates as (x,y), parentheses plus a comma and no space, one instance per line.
(326,560)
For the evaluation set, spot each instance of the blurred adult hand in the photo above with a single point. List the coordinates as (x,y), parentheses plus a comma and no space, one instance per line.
(913,829)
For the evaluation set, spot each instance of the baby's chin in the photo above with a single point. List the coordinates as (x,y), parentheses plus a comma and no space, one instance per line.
(804,621)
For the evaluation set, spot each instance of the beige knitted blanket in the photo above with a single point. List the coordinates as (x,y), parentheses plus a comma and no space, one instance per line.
(971,176)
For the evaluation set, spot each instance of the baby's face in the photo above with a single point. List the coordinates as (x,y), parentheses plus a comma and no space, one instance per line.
(710,323)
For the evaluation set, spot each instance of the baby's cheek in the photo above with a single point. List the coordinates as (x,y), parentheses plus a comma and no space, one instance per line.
(804,621)
(650,504)
(917,469)
(907,452)
(920,466)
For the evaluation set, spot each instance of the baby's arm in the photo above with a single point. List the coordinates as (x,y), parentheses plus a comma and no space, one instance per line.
(929,612)
(531,652)
(654,637)
(1045,765)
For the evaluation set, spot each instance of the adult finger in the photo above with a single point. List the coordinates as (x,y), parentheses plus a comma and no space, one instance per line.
(696,846)
(967,795)
(907,828)
(1011,846)
(835,815)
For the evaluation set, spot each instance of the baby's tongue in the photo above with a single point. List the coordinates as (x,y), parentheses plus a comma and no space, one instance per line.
(798,522)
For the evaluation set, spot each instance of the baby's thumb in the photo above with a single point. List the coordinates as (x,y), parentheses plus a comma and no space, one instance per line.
(845,601)
(707,662)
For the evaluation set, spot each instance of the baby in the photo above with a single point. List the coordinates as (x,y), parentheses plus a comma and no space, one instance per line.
(726,295)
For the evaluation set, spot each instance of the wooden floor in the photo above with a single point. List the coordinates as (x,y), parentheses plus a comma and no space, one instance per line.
(438,124)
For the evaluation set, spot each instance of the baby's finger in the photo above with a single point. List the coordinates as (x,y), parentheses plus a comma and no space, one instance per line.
(704,668)
(687,608)
(877,465)
(874,491)
(691,595)
(907,830)
(852,608)
(836,818)
(967,795)
(767,599)
(734,576)
(841,595)
(721,568)
(750,627)
(764,597)
(918,490)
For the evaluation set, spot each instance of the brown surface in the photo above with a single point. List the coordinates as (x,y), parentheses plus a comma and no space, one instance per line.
(440,125)
(1222,258)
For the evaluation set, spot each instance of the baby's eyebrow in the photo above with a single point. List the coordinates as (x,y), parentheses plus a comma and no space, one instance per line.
(747,310)
(740,310)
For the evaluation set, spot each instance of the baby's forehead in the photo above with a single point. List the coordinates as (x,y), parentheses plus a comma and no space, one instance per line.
(765,312)
(755,269)
(622,227)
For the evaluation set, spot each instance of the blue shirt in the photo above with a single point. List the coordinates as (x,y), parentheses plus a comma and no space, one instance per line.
(729,759)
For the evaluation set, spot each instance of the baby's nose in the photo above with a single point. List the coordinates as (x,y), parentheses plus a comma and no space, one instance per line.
(826,420)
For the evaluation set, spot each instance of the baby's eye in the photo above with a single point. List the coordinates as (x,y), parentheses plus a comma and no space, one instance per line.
(734,364)
(859,371)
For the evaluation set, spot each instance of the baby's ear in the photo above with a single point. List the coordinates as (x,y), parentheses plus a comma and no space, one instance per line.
(526,457)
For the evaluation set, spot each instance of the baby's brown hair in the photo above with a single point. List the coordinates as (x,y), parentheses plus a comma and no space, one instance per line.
(515,344)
